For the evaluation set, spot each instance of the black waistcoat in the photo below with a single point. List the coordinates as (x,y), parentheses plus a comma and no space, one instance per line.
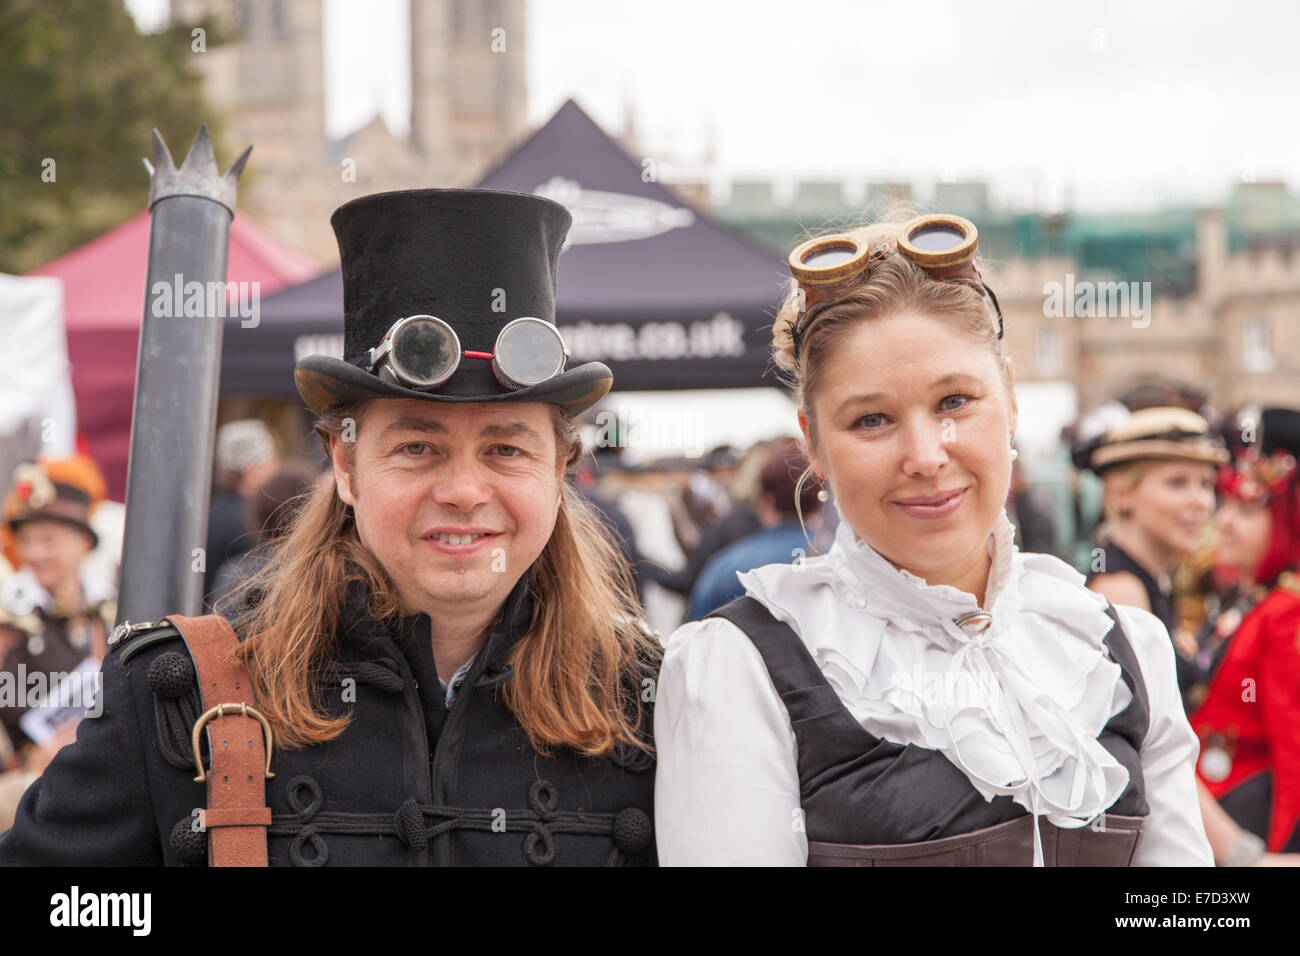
(856,788)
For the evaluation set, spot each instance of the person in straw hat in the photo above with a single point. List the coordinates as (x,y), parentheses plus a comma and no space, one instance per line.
(1158,470)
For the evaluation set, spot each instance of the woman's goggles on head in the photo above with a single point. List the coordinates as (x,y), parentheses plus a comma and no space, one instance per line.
(943,246)
(423,352)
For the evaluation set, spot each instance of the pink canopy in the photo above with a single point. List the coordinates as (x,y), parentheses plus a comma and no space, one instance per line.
(104,295)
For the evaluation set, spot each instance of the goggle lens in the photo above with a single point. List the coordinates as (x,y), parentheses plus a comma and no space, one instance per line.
(425,351)
(529,351)
(937,238)
(828,256)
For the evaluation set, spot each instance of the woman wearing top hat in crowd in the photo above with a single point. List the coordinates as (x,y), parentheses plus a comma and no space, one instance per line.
(1249,722)
(446,644)
(923,693)
(1158,470)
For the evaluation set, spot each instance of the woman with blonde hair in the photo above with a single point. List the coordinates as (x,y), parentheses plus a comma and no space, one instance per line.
(1158,470)
(923,693)
(446,649)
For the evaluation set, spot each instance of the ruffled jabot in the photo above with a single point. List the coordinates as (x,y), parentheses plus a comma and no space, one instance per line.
(1013,694)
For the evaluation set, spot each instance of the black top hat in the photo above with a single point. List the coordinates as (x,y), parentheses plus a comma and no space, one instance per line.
(475,258)
(1279,430)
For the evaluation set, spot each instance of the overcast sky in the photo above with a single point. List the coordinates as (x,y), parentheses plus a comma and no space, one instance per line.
(1102,105)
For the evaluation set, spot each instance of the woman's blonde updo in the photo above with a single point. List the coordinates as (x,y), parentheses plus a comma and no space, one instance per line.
(896,285)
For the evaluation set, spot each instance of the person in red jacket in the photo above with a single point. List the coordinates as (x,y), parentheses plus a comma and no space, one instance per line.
(1249,723)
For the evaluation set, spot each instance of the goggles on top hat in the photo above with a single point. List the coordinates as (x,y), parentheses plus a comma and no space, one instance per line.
(942,245)
(423,352)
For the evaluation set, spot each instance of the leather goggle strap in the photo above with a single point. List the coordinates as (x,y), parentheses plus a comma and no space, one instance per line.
(237,816)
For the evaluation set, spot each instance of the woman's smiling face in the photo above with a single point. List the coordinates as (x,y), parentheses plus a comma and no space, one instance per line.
(909,407)
(1245,529)
(1171,503)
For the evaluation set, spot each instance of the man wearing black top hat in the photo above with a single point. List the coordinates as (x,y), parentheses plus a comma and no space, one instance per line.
(446,646)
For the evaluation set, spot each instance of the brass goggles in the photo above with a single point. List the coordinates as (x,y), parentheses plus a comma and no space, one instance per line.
(423,352)
(944,246)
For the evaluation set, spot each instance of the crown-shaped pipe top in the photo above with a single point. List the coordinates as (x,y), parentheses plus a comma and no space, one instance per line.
(198,174)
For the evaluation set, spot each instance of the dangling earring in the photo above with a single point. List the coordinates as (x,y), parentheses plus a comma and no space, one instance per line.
(1014,454)
(823,495)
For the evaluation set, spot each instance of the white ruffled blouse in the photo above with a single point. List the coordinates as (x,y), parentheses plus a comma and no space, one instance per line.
(1014,696)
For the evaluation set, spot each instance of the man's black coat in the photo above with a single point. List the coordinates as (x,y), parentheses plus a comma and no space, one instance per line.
(410,782)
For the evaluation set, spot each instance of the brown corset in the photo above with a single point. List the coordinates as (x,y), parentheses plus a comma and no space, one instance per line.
(1108,842)
(869,801)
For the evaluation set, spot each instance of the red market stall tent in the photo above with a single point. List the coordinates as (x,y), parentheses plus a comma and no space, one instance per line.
(104,297)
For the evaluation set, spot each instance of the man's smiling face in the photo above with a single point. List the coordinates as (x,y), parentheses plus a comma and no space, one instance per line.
(455,500)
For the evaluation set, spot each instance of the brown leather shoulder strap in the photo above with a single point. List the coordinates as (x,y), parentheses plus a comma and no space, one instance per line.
(237,816)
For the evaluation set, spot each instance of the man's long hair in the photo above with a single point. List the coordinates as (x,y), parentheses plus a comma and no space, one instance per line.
(581,671)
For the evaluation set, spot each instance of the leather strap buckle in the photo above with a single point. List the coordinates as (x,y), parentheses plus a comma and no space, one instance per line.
(223,710)
(126,629)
